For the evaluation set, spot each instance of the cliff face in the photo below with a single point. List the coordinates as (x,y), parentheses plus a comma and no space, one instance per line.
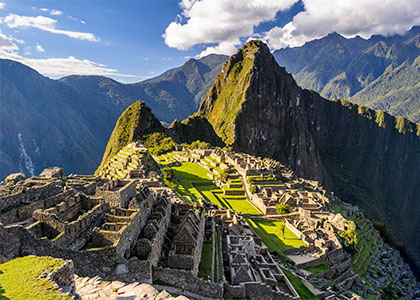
(373,160)
(366,157)
(256,107)
(135,122)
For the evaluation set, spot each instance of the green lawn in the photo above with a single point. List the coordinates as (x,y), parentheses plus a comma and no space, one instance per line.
(19,279)
(318,269)
(272,236)
(241,205)
(218,269)
(206,261)
(300,288)
(188,173)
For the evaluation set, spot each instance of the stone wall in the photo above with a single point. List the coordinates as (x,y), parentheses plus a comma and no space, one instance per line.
(69,230)
(64,276)
(261,291)
(87,263)
(25,212)
(117,193)
(191,283)
(31,194)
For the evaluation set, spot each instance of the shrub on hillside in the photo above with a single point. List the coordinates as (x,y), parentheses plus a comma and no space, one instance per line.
(158,143)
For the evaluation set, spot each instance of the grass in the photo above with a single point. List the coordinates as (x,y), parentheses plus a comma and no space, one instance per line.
(300,288)
(272,236)
(206,261)
(318,269)
(19,279)
(218,277)
(187,173)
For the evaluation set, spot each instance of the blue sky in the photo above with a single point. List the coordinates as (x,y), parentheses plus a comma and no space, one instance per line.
(130,40)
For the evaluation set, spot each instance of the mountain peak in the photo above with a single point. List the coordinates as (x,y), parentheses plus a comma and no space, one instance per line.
(135,122)
(254,103)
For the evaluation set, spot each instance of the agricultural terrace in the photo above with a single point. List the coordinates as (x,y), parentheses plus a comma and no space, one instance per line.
(190,181)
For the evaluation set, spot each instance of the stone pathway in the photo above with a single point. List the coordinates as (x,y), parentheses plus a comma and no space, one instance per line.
(94,288)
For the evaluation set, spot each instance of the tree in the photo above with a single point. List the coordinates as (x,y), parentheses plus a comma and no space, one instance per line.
(349,235)
(252,189)
(282,227)
(223,176)
(167,172)
(282,209)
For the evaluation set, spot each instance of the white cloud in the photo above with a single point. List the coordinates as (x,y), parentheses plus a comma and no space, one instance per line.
(43,9)
(55,67)
(220,22)
(6,43)
(45,24)
(83,22)
(55,12)
(39,48)
(348,18)
(2,5)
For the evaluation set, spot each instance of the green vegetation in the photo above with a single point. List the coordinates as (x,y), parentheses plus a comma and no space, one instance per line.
(204,269)
(133,124)
(349,235)
(158,143)
(19,279)
(300,288)
(218,269)
(318,269)
(272,235)
(190,180)
(282,209)
(225,98)
(197,145)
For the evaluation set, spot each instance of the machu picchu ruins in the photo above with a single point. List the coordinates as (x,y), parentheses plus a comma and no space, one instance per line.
(144,220)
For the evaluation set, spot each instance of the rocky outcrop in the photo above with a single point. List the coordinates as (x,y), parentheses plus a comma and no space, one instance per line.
(52,172)
(15,178)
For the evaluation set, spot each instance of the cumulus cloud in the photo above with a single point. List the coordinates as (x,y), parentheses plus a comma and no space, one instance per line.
(220,22)
(2,5)
(348,18)
(55,12)
(45,24)
(39,48)
(43,9)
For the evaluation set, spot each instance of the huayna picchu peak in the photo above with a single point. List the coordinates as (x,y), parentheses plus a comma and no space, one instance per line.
(222,179)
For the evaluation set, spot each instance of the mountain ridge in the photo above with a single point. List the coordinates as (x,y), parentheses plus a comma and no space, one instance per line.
(337,67)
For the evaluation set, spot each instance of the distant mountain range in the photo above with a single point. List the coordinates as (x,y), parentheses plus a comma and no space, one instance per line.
(382,73)
(67,122)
